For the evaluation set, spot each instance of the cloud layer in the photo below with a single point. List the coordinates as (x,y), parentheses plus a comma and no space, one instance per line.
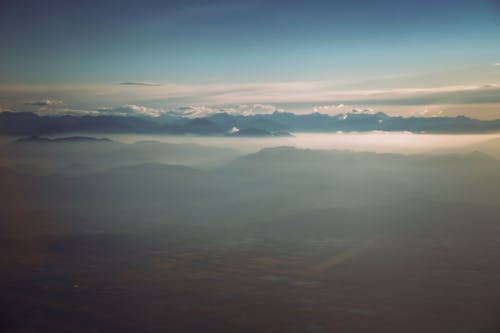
(199,100)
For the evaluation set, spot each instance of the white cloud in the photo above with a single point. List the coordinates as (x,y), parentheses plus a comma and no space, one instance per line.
(338,109)
(55,109)
(45,102)
(364,111)
(196,111)
(329,109)
(263,108)
(131,110)
(48,111)
(497,64)
(191,111)
(250,110)
(431,111)
(142,110)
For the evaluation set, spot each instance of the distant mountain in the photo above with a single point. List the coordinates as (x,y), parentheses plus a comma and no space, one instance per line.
(26,123)
(277,123)
(283,160)
(152,169)
(201,126)
(69,139)
(491,147)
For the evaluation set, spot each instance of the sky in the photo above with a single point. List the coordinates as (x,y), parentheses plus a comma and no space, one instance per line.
(437,58)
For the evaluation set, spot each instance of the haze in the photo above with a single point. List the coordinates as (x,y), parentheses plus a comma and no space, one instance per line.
(171,235)
(406,143)
(243,166)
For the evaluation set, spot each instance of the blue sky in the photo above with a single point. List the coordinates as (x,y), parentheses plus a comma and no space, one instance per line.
(362,44)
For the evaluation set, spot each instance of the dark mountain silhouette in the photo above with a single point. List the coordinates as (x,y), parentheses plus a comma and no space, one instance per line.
(277,123)
(69,139)
(201,126)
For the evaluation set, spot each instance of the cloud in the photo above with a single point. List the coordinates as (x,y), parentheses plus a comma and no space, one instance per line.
(486,93)
(4,109)
(131,110)
(191,111)
(47,111)
(201,99)
(45,102)
(357,111)
(242,109)
(321,92)
(124,110)
(194,111)
(254,109)
(329,109)
(363,111)
(144,84)
(213,94)
(497,64)
(339,109)
(430,113)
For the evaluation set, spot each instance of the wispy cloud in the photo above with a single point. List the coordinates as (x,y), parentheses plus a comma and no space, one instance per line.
(326,92)
(131,110)
(253,109)
(190,111)
(123,110)
(329,109)
(431,113)
(138,83)
(314,92)
(198,100)
(197,111)
(45,102)
(62,111)
(4,109)
(194,111)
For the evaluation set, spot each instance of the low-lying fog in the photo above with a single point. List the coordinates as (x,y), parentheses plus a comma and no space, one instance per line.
(394,142)
(208,152)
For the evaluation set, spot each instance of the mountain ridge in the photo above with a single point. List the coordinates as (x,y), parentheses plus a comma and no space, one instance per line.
(223,124)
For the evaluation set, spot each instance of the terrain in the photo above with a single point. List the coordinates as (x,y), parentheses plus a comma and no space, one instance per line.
(101,236)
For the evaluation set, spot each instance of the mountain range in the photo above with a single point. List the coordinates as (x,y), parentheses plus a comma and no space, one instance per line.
(274,124)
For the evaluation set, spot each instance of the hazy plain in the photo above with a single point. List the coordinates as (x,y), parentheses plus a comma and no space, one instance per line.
(312,233)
